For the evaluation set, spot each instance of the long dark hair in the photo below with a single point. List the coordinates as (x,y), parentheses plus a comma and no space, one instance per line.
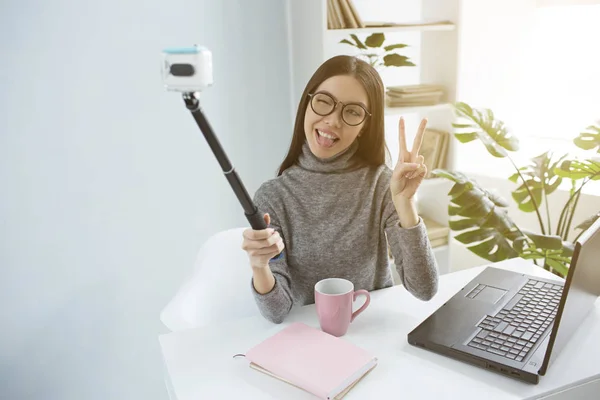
(371,145)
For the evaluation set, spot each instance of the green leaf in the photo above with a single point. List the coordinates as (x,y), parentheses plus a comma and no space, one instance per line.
(346,41)
(524,200)
(462,224)
(549,242)
(491,234)
(588,222)
(396,60)
(446,174)
(515,177)
(496,249)
(394,46)
(375,40)
(466,137)
(539,177)
(543,170)
(551,249)
(492,133)
(359,44)
(480,219)
(575,169)
(589,139)
(455,125)
(559,265)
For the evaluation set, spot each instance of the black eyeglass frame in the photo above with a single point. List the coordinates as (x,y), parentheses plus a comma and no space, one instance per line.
(335,104)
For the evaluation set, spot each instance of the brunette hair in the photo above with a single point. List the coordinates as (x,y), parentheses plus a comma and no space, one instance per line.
(371,144)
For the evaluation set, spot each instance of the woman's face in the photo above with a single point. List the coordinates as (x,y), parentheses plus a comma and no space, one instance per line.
(328,135)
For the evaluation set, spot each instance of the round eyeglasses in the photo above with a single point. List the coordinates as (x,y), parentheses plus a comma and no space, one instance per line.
(324,104)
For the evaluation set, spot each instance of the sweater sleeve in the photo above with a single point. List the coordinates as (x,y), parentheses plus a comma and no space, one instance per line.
(413,255)
(276,304)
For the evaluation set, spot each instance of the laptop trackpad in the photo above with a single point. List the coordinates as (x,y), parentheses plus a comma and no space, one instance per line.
(488,294)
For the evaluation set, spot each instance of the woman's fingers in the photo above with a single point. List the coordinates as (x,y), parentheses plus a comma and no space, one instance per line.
(405,169)
(421,171)
(404,155)
(418,139)
(272,250)
(251,244)
(420,160)
(262,245)
(412,155)
(261,234)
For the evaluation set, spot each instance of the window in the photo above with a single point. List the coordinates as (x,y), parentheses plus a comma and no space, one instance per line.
(560,86)
(543,79)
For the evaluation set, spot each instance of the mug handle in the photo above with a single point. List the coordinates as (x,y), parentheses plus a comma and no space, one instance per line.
(362,308)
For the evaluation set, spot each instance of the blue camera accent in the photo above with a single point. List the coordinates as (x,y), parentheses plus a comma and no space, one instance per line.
(182,50)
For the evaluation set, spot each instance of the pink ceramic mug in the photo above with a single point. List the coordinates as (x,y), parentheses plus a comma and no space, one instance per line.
(334,298)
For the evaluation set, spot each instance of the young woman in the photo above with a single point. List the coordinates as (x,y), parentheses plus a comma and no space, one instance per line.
(335,205)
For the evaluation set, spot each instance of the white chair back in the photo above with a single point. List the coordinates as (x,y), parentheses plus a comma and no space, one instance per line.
(219,288)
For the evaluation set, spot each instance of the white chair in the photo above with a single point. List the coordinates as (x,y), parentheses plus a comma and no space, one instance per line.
(219,287)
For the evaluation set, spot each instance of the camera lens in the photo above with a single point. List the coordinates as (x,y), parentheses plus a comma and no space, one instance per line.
(182,70)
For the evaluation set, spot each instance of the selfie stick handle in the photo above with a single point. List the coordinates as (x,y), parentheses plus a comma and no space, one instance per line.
(250,210)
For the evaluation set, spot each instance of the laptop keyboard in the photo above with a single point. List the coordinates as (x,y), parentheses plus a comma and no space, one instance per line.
(514,330)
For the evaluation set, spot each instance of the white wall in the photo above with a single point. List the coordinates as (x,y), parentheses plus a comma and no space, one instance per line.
(107,186)
(491,50)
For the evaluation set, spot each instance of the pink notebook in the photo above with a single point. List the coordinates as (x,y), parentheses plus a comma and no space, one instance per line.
(312,360)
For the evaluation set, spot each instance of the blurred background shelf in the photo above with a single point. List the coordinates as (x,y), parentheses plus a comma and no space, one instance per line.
(417,109)
(417,26)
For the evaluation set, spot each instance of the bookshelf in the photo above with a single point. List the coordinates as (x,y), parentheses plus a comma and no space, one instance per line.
(392,111)
(433,46)
(390,29)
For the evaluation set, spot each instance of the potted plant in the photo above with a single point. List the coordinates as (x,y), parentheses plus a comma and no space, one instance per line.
(375,53)
(480,218)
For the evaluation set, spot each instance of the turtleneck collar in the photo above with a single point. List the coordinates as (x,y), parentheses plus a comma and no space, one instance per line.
(345,161)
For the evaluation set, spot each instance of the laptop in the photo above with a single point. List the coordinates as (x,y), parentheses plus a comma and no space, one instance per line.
(512,323)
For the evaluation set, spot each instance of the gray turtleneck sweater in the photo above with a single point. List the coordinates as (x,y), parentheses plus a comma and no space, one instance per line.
(334,216)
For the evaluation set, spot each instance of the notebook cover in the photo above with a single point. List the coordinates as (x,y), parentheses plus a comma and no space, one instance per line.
(338,397)
(311,359)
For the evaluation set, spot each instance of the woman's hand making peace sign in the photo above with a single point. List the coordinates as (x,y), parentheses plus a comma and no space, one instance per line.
(410,169)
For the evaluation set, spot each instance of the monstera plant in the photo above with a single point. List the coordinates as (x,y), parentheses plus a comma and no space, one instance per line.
(378,55)
(480,218)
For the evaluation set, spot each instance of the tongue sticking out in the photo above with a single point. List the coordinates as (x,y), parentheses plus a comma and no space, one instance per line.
(323,141)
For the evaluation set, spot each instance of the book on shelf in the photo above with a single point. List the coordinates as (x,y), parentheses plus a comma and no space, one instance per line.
(434,149)
(312,360)
(413,95)
(386,24)
(393,103)
(411,89)
(342,14)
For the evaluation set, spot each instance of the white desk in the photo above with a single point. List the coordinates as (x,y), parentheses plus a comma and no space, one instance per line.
(200,365)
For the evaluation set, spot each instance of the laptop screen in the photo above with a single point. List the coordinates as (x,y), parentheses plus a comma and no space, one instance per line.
(582,288)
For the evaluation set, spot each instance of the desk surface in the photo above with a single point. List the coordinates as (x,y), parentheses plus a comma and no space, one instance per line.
(200,363)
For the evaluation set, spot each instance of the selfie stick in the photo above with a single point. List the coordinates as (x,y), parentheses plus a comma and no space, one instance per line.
(189,70)
(255,218)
